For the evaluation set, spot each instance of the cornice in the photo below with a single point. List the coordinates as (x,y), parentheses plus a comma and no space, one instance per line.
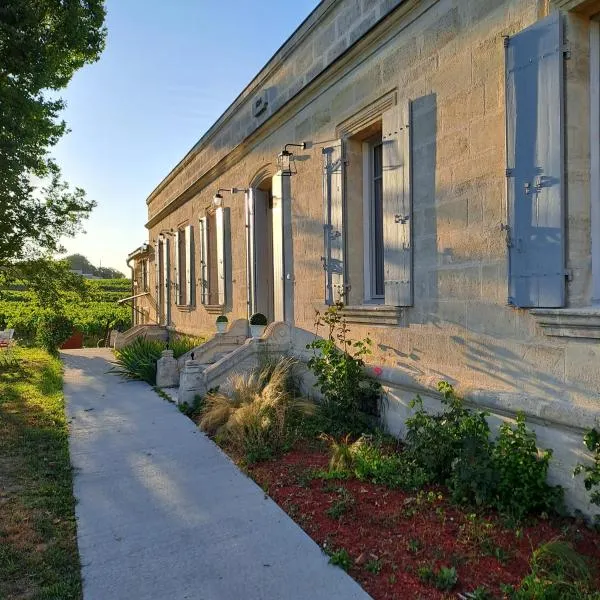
(381,33)
(587,6)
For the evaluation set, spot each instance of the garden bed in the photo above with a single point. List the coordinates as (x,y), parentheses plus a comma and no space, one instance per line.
(396,541)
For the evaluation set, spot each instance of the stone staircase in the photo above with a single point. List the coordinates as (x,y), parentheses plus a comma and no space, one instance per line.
(155,332)
(211,364)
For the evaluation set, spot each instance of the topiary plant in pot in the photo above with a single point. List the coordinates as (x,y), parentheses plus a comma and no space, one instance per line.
(258,322)
(222,322)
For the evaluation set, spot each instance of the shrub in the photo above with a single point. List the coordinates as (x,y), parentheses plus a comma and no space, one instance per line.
(181,344)
(258,319)
(350,395)
(367,460)
(138,360)
(437,441)
(255,417)
(341,558)
(222,319)
(53,329)
(522,472)
(454,448)
(592,472)
(558,572)
(443,579)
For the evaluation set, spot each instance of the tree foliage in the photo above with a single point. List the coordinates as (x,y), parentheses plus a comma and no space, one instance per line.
(42,43)
(81,263)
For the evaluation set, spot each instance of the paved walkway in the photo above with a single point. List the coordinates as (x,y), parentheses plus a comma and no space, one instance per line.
(162,514)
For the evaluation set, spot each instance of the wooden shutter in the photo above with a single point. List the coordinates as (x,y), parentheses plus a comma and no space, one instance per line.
(251,250)
(158,281)
(534,119)
(397,206)
(203,251)
(189,265)
(220,225)
(278,248)
(166,282)
(177,269)
(333,222)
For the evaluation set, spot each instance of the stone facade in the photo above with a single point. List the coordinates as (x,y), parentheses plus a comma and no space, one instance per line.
(447,58)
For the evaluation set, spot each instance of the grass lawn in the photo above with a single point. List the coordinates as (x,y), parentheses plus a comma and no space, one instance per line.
(38,544)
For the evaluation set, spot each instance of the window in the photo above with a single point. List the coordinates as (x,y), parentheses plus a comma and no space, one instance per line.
(367,208)
(184,258)
(373,199)
(212,257)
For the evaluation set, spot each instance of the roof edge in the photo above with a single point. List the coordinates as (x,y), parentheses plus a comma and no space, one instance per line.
(295,39)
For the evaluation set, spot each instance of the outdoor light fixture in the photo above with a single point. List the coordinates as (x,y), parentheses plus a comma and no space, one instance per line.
(218,197)
(285,160)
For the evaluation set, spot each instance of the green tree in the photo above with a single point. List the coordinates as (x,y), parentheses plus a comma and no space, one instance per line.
(42,44)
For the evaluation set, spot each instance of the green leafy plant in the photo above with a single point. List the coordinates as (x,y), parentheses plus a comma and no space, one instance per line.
(558,572)
(138,360)
(255,416)
(182,344)
(591,480)
(351,397)
(341,559)
(222,319)
(443,579)
(438,441)
(522,471)
(194,410)
(374,565)
(53,329)
(258,319)
(342,505)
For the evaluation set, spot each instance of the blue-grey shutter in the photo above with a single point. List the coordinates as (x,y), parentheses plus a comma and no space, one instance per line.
(189,266)
(178,270)
(333,222)
(397,206)
(203,251)
(221,256)
(534,114)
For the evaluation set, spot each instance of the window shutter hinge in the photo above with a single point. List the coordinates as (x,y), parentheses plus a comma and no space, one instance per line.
(509,172)
(566,50)
(569,274)
(506,40)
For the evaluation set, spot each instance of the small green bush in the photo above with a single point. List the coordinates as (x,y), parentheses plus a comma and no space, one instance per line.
(558,572)
(222,319)
(437,441)
(181,344)
(454,448)
(258,319)
(341,558)
(138,360)
(522,471)
(53,329)
(592,472)
(351,397)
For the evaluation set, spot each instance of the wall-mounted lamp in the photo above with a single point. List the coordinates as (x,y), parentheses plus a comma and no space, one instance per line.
(165,232)
(285,160)
(218,197)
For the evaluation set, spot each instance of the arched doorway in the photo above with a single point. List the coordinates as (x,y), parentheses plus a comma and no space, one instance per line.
(260,249)
(269,280)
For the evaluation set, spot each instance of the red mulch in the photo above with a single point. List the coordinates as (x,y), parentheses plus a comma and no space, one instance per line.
(403,532)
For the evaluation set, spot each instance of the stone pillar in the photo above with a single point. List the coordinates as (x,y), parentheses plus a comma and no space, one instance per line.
(167,373)
(192,382)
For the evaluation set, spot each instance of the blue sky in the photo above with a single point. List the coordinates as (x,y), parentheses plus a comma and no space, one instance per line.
(170,68)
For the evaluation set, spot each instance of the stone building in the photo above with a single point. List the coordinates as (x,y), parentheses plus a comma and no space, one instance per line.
(445,165)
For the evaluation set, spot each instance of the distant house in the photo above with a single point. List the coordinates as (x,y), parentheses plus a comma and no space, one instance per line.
(445,185)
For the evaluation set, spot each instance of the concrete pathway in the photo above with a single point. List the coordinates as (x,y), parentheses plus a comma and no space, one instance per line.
(163,514)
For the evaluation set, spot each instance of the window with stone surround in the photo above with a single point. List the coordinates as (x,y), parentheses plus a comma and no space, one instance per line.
(212,272)
(368,213)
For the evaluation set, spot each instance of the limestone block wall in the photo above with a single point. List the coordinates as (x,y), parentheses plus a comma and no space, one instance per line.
(447,58)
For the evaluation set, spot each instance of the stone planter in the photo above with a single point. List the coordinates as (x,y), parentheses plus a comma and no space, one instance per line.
(256,331)
(222,326)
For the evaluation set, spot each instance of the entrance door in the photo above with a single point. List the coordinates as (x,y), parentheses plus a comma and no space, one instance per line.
(260,252)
